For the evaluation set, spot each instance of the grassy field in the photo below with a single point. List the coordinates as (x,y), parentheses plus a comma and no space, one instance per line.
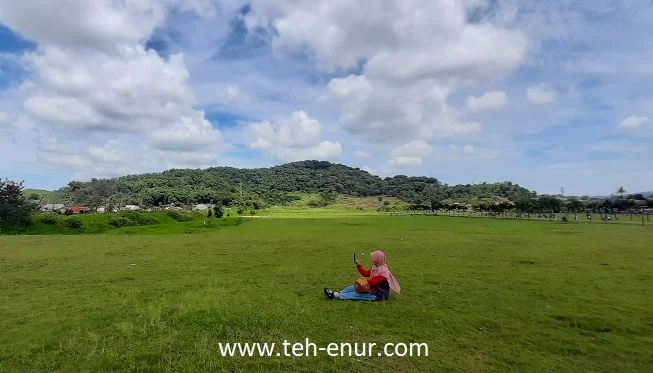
(485,294)
(40,192)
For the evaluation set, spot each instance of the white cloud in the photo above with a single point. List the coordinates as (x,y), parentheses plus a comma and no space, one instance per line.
(104,154)
(62,111)
(413,54)
(412,149)
(362,154)
(191,133)
(380,112)
(541,94)
(489,101)
(408,40)
(105,24)
(296,138)
(93,80)
(405,161)
(4,118)
(383,170)
(632,122)
(468,149)
(410,154)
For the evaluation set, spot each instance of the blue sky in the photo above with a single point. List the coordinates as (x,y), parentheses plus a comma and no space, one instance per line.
(544,94)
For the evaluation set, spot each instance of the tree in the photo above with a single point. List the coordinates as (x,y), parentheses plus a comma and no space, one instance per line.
(15,210)
(435,205)
(209,213)
(621,191)
(217,211)
(575,206)
(272,186)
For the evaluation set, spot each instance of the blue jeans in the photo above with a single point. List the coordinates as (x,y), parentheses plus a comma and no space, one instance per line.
(349,293)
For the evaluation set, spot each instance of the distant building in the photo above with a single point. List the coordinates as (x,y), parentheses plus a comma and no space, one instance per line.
(73,209)
(52,207)
(131,208)
(101,210)
(202,206)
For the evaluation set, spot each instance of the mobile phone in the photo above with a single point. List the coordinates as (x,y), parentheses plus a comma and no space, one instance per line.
(354,257)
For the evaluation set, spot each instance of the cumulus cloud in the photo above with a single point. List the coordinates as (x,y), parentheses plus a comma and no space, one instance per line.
(632,122)
(296,138)
(407,40)
(541,94)
(105,24)
(379,112)
(190,134)
(362,154)
(412,53)
(104,154)
(93,79)
(410,154)
(489,101)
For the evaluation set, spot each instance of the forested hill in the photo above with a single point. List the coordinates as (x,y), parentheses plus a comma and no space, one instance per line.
(268,186)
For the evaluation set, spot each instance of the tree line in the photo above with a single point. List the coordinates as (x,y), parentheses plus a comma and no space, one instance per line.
(272,186)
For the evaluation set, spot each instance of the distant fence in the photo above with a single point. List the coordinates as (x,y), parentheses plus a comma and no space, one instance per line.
(645,218)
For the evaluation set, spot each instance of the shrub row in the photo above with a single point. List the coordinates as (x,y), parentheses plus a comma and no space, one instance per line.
(132,218)
(178,216)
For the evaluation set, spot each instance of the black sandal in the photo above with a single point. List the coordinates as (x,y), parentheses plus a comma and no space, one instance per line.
(328,292)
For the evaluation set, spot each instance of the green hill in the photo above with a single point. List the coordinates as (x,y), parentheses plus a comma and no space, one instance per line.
(39,195)
(272,186)
(41,192)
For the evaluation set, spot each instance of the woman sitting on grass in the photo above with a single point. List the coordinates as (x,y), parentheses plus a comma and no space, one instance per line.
(380,281)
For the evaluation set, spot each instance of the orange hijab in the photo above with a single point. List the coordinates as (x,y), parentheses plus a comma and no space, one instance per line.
(381,269)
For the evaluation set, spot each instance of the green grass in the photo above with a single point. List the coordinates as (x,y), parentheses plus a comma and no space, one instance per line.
(44,196)
(485,294)
(41,192)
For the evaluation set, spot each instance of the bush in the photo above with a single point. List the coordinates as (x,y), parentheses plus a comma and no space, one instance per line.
(380,199)
(49,218)
(138,218)
(15,210)
(74,222)
(217,211)
(68,212)
(131,215)
(121,221)
(317,203)
(564,219)
(252,212)
(386,203)
(144,219)
(178,216)
(209,213)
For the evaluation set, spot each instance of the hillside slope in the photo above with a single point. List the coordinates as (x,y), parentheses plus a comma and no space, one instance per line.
(271,186)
